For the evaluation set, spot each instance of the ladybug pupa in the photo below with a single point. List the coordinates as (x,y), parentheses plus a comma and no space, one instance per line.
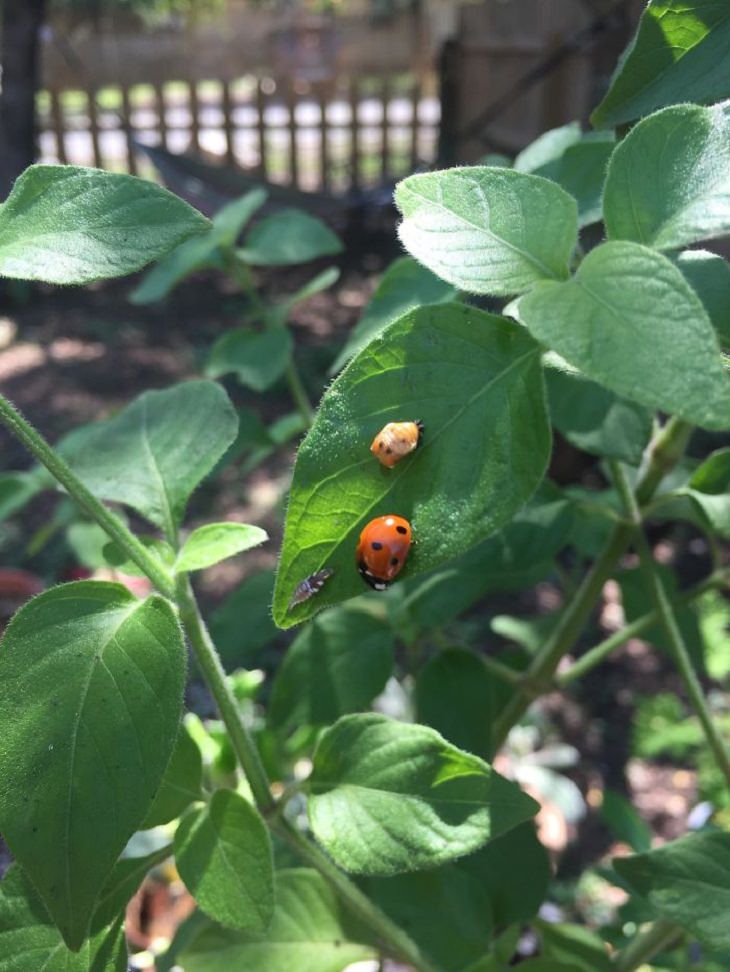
(395,441)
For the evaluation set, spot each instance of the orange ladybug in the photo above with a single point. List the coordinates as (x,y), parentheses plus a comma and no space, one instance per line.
(395,441)
(309,587)
(383,550)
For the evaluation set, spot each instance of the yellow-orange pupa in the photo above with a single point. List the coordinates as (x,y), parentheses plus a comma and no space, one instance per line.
(395,441)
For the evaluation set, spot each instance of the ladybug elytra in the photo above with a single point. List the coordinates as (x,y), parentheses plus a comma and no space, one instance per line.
(383,550)
(395,441)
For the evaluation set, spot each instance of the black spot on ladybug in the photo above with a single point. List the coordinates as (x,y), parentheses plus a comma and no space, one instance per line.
(394,562)
(376,545)
(401,529)
(388,452)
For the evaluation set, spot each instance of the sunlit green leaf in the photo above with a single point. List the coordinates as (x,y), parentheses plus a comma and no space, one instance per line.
(677,55)
(91,683)
(387,798)
(629,321)
(153,454)
(488,231)
(71,225)
(471,377)
(668,182)
(214,542)
(223,853)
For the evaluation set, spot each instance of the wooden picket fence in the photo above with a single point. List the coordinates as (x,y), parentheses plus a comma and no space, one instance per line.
(350,132)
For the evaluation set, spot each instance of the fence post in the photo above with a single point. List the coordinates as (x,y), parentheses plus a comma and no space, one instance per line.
(447,153)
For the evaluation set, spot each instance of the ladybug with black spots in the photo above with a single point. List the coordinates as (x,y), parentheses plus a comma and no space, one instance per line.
(383,550)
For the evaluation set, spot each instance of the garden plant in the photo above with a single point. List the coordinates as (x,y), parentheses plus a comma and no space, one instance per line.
(566,292)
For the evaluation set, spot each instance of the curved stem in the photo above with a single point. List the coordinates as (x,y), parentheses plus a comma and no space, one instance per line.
(668,622)
(643,947)
(109,521)
(299,392)
(601,651)
(210,666)
(662,453)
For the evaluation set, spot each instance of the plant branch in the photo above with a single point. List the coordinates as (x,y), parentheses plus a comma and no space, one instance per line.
(643,947)
(597,654)
(668,622)
(210,666)
(664,450)
(299,392)
(107,520)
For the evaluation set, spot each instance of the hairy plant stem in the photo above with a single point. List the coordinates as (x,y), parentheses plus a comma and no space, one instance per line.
(717,579)
(664,450)
(215,678)
(668,621)
(106,518)
(394,940)
(661,934)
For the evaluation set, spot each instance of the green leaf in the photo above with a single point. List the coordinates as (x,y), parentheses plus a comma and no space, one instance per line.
(387,798)
(198,253)
(629,321)
(230,219)
(29,942)
(677,55)
(288,237)
(17,489)
(709,276)
(709,490)
(310,932)
(469,376)
(257,358)
(668,182)
(214,542)
(224,856)
(488,231)
(577,163)
(123,883)
(154,453)
(444,910)
(322,281)
(624,822)
(514,872)
(181,784)
(687,882)
(67,224)
(404,286)
(336,665)
(242,625)
(548,147)
(517,556)
(455,696)
(596,420)
(579,948)
(91,685)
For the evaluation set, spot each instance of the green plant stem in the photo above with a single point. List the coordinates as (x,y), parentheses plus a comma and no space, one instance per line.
(109,521)
(210,666)
(664,450)
(503,672)
(643,947)
(668,622)
(299,392)
(597,654)
(395,941)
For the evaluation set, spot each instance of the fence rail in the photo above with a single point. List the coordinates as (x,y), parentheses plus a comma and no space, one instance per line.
(336,135)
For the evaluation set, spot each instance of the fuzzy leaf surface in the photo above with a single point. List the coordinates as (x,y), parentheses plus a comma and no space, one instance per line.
(475,381)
